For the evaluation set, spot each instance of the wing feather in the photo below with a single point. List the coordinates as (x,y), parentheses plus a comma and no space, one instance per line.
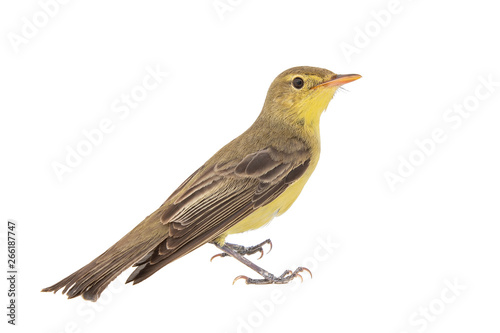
(216,198)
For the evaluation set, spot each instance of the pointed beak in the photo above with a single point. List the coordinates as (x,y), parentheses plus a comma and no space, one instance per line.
(339,80)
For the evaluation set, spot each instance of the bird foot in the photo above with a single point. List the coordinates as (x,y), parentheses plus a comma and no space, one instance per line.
(246,250)
(284,278)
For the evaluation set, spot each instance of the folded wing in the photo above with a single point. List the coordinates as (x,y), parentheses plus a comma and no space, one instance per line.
(216,198)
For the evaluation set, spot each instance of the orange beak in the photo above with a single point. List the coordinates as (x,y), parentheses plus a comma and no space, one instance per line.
(339,80)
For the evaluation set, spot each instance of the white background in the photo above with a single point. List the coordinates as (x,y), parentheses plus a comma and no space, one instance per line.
(397,248)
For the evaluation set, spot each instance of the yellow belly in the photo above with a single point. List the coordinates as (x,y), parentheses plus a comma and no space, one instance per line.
(265,214)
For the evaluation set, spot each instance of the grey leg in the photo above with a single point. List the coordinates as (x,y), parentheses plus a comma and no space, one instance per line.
(268,278)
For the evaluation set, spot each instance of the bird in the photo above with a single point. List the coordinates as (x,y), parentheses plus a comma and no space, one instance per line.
(243,186)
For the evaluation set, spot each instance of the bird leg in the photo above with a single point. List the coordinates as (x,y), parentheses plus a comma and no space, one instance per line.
(246,250)
(268,278)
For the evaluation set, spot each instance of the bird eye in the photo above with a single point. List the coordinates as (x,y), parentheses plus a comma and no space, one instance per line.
(298,83)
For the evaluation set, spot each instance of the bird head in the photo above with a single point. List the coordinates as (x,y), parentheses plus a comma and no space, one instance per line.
(301,94)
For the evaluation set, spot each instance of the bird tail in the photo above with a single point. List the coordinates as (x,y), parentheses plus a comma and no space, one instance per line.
(91,280)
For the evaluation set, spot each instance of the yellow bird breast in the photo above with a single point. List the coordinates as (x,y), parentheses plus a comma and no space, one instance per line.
(264,215)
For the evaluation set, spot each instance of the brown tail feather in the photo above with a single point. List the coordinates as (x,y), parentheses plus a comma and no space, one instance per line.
(91,280)
(154,261)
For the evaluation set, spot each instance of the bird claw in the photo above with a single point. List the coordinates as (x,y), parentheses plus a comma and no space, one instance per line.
(241,277)
(222,255)
(268,241)
(284,278)
(256,248)
(244,250)
(307,270)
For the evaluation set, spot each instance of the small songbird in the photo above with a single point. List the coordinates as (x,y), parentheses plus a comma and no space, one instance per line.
(252,179)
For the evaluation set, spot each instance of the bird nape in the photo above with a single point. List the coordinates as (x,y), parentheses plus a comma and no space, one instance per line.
(252,179)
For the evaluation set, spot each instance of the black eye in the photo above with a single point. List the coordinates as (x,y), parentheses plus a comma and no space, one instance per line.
(298,83)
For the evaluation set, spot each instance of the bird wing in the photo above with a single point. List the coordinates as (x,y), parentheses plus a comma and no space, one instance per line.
(215,198)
